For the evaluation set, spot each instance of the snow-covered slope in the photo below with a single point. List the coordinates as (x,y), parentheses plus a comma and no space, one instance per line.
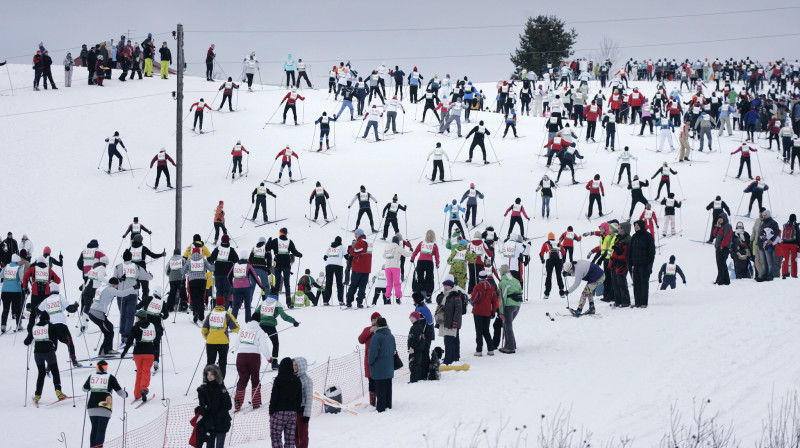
(618,374)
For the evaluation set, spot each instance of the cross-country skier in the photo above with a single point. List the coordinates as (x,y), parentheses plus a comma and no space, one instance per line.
(250,66)
(113,141)
(596,190)
(347,100)
(291,100)
(567,157)
(363,198)
(666,275)
(610,125)
(744,159)
(454,114)
(625,165)
(390,217)
(637,196)
(301,73)
(139,254)
(454,216)
(665,172)
(198,113)
(567,242)
(285,253)
(11,276)
(431,100)
(44,354)
(144,334)
(267,317)
(428,252)
(227,94)
(374,116)
(259,198)
(438,164)
(320,197)
(374,87)
(242,278)
(177,285)
(56,306)
(592,113)
(251,344)
(756,190)
(586,271)
(130,276)
(288,67)
(517,212)
(471,196)
(414,82)
(156,312)
(480,131)
(717,206)
(37,279)
(650,219)
(219,222)
(550,256)
(324,123)
(333,257)
(546,187)
(100,385)
(665,126)
(398,76)
(286,155)
(162,158)
(135,228)
(670,204)
(236,153)
(98,313)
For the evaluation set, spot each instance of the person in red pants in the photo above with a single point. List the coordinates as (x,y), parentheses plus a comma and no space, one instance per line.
(789,246)
(144,333)
(303,417)
(252,344)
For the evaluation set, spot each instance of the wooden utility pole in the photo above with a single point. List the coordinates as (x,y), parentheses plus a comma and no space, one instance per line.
(179,144)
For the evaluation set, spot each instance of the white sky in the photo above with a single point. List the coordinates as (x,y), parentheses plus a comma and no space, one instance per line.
(483,51)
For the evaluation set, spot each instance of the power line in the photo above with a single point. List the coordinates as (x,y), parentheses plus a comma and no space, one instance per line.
(480,27)
(76,47)
(84,105)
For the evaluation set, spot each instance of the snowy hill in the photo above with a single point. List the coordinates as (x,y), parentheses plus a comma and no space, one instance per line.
(617,375)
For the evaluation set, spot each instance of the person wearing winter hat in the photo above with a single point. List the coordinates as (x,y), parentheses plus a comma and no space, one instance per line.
(517,212)
(361,255)
(789,243)
(37,280)
(334,255)
(12,275)
(471,196)
(596,190)
(219,222)
(454,212)
(480,132)
(667,274)
(414,82)
(156,312)
(390,216)
(510,299)
(196,269)
(618,265)
(550,256)
(586,271)
(291,99)
(260,259)
(372,117)
(98,313)
(417,347)
(144,334)
(44,354)
(285,252)
(199,107)
(381,362)
(365,338)
(391,255)
(236,153)
(756,190)
(215,330)
(438,163)
(210,55)
(364,207)
(227,92)
(485,302)
(451,301)
(99,385)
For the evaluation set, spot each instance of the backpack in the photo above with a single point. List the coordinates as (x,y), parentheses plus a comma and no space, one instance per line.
(789,232)
(735,241)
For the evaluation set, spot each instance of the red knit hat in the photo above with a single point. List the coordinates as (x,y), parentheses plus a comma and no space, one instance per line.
(375,315)
(220,301)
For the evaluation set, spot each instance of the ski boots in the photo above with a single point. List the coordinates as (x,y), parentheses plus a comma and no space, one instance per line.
(60,395)
(274,364)
(155,366)
(591,308)
(490,353)
(36,399)
(478,353)
(575,312)
(144,395)
(75,363)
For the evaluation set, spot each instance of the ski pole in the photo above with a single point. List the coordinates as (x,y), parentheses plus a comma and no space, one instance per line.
(493,151)
(246,215)
(103,153)
(580,211)
(129,162)
(72,381)
(85,411)
(118,248)
(273,114)
(270,170)
(300,169)
(313,133)
(423,171)
(229,167)
(359,131)
(27,370)
(161,352)
(200,358)
(145,177)
(459,152)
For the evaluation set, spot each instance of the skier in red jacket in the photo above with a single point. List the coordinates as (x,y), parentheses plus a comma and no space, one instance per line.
(291,100)
(596,190)
(198,113)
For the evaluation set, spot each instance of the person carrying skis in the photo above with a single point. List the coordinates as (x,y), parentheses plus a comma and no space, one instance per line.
(267,317)
(162,158)
(586,271)
(480,131)
(364,207)
(428,252)
(625,165)
(567,157)
(596,190)
(567,243)
(756,190)
(665,172)
(250,66)
(517,212)
(285,253)
(286,155)
(144,333)
(291,99)
(113,141)
(438,164)
(454,216)
(199,107)
(259,198)
(390,215)
(717,207)
(744,159)
(374,117)
(44,355)
(471,196)
(550,256)
(666,275)
(670,204)
(324,123)
(320,196)
(546,187)
(227,94)
(650,219)
(215,331)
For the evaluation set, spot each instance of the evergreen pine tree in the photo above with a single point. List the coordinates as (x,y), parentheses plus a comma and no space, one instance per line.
(544,40)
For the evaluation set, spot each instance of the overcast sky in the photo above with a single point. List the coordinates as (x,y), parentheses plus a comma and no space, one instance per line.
(400,33)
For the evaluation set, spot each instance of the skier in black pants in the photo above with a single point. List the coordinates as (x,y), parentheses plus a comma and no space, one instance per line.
(333,271)
(364,206)
(610,125)
(320,197)
(438,163)
(431,100)
(550,256)
(228,93)
(284,251)
(210,55)
(567,158)
(636,193)
(398,76)
(162,158)
(667,274)
(259,197)
(390,213)
(717,207)
(472,195)
(324,123)
(44,354)
(479,131)
(665,171)
(113,151)
(625,165)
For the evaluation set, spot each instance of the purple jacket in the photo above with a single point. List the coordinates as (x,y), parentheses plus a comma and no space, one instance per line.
(239,273)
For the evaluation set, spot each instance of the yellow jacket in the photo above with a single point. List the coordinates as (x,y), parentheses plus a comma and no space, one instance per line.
(217,333)
(188,252)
